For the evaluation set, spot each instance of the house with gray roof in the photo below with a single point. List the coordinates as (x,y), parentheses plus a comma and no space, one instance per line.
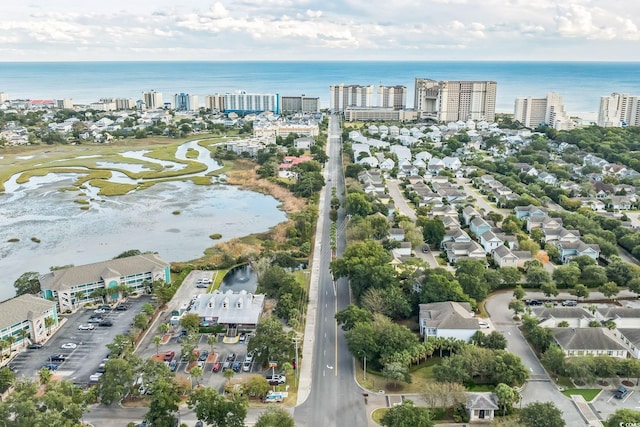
(240,312)
(481,406)
(630,338)
(448,319)
(624,317)
(72,287)
(26,313)
(589,342)
(575,317)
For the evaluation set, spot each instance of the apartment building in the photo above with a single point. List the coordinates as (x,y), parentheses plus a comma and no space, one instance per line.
(66,103)
(214,102)
(619,109)
(23,317)
(152,100)
(4,96)
(185,102)
(242,102)
(342,96)
(299,104)
(532,112)
(450,101)
(392,96)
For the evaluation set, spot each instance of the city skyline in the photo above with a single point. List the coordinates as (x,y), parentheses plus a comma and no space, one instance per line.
(573,30)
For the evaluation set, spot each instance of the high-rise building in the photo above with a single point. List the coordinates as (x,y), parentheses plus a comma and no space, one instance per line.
(342,96)
(185,102)
(450,101)
(152,99)
(242,102)
(619,109)
(214,102)
(299,104)
(66,103)
(4,96)
(125,103)
(392,96)
(532,112)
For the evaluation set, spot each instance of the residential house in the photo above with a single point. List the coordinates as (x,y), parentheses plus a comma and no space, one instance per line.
(481,407)
(450,222)
(547,178)
(407,170)
(542,222)
(503,257)
(396,234)
(622,203)
(574,317)
(555,235)
(624,317)
(478,226)
(456,251)
(523,257)
(387,165)
(589,342)
(452,163)
(401,152)
(570,250)
(469,213)
(447,319)
(593,203)
(404,250)
(445,210)
(457,235)
(490,241)
(531,210)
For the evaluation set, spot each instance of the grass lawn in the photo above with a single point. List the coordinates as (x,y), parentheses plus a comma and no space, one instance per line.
(378,414)
(588,393)
(420,376)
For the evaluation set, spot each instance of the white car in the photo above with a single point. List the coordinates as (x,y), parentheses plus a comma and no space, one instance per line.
(99,311)
(69,345)
(248,358)
(86,327)
(483,325)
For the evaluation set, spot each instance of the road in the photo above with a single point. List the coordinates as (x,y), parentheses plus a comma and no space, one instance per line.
(539,387)
(334,399)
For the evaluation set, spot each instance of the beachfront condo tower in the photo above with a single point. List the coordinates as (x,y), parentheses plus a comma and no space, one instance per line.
(450,101)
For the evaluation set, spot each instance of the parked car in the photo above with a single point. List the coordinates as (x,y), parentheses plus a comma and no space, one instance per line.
(242,338)
(425,249)
(236,367)
(105,323)
(249,357)
(204,281)
(49,366)
(621,392)
(216,367)
(231,357)
(569,303)
(226,365)
(246,366)
(533,302)
(276,379)
(95,319)
(173,365)
(69,346)
(203,356)
(99,311)
(104,307)
(35,346)
(57,358)
(168,357)
(86,327)
(202,285)
(122,307)
(483,325)
(274,397)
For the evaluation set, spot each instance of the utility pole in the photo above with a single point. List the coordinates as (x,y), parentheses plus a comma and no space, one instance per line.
(295,341)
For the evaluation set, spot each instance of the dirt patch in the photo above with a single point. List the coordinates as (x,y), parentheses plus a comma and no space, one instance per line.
(165,338)
(628,383)
(394,388)
(603,383)
(579,383)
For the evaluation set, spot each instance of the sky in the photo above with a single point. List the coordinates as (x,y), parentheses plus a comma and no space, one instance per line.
(228,30)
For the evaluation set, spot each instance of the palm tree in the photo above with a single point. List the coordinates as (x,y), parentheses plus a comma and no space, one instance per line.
(156,341)
(3,344)
(196,372)
(164,328)
(48,323)
(10,340)
(211,340)
(429,347)
(45,376)
(99,293)
(228,374)
(23,336)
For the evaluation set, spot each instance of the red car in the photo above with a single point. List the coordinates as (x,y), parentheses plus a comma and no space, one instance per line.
(216,367)
(169,356)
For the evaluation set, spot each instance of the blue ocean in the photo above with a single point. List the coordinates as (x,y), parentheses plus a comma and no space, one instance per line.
(581,84)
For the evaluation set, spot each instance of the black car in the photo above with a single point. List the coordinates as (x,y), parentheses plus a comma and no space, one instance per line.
(122,307)
(57,358)
(231,357)
(95,320)
(34,346)
(203,355)
(106,323)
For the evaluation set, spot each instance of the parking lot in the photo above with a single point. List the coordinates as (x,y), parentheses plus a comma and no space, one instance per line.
(90,345)
(606,404)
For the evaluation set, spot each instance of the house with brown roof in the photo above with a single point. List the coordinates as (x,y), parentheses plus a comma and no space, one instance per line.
(72,287)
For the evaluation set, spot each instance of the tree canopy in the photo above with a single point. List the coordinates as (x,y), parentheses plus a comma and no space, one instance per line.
(27,283)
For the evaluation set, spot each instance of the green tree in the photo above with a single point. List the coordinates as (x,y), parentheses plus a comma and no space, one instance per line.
(196,372)
(549,289)
(148,309)
(517,306)
(191,322)
(553,359)
(566,275)
(140,321)
(117,380)
(609,289)
(495,340)
(536,276)
(619,272)
(45,375)
(212,340)
(215,410)
(594,274)
(580,291)
(433,231)
(507,396)
(257,386)
(164,402)
(271,342)
(275,416)
(357,204)
(396,371)
(623,417)
(541,414)
(519,293)
(7,377)
(510,275)
(351,315)
(127,254)
(27,283)
(407,415)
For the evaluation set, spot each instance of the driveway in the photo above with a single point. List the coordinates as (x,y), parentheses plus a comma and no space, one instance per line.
(539,388)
